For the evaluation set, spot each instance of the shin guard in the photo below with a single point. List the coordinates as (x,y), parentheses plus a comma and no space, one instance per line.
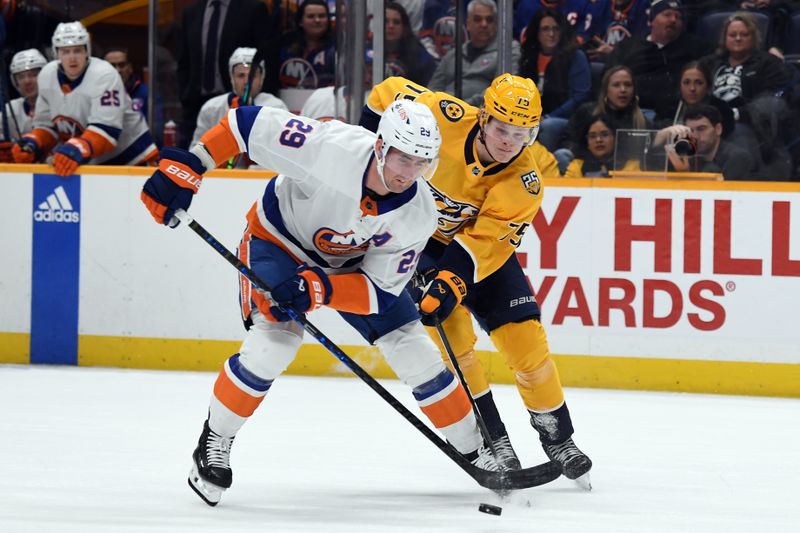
(444,401)
(237,394)
(524,347)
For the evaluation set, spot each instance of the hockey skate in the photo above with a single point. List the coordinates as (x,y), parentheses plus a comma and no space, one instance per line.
(505,454)
(483,459)
(211,473)
(574,463)
(552,427)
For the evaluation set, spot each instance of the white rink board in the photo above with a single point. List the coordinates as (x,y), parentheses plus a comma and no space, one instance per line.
(751,317)
(141,280)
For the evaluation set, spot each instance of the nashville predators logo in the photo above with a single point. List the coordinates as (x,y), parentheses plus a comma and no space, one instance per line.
(452,111)
(334,243)
(531,182)
(452,215)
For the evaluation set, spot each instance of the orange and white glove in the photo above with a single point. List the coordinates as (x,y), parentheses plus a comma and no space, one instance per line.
(172,186)
(26,150)
(76,151)
(307,290)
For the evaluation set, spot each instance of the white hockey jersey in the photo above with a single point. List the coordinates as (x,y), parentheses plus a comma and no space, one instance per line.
(20,118)
(318,208)
(98,103)
(215,108)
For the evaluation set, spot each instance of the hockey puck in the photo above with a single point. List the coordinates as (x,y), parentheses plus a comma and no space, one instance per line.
(490,509)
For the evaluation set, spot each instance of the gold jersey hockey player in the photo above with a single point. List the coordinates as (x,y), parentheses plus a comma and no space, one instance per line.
(488,187)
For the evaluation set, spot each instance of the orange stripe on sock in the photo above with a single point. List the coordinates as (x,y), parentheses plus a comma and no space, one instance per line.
(350,293)
(220,141)
(449,410)
(233,397)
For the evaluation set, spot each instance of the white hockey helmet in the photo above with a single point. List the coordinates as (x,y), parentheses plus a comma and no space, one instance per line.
(244,56)
(25,60)
(411,128)
(71,34)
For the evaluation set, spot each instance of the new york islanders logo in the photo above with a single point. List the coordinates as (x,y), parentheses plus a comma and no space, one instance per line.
(451,110)
(298,73)
(334,243)
(531,182)
(452,215)
(67,127)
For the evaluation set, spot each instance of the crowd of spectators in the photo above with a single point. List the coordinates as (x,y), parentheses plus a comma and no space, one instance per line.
(726,71)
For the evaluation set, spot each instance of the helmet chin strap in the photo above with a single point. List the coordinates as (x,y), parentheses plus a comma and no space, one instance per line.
(380,163)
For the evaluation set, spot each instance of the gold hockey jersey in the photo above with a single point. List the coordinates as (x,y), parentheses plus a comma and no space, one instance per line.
(485,209)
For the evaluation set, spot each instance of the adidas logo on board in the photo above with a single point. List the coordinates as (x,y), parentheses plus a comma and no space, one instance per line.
(57,208)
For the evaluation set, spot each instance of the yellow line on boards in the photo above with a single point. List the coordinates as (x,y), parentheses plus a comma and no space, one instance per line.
(632,373)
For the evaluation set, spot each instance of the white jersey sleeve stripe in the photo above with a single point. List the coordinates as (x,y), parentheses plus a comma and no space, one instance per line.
(233,121)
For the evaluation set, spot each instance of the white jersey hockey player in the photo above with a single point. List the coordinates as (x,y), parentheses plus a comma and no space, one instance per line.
(239,65)
(25,67)
(83,105)
(341,226)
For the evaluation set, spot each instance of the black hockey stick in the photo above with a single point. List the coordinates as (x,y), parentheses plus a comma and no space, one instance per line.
(453,361)
(419,282)
(497,481)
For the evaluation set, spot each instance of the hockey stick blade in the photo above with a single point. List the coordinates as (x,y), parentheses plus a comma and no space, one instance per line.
(517,479)
(497,481)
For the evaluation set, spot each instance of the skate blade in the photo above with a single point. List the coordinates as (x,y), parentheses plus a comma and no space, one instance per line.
(208,492)
(584,482)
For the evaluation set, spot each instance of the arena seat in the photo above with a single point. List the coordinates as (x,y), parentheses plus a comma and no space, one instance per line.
(793,35)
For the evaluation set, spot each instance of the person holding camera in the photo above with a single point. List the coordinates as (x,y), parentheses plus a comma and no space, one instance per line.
(698,146)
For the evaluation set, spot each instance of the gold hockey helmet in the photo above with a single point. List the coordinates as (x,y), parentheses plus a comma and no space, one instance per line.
(514,100)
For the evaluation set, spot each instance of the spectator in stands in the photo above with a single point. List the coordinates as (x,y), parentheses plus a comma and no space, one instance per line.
(656,59)
(586,16)
(438,30)
(695,88)
(24,69)
(625,18)
(404,54)
(134,85)
(239,66)
(308,53)
(479,55)
(617,101)
(752,82)
(713,153)
(779,12)
(551,58)
(210,31)
(741,71)
(595,157)
(414,9)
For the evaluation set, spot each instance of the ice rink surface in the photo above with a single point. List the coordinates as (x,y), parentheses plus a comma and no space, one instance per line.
(107,450)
